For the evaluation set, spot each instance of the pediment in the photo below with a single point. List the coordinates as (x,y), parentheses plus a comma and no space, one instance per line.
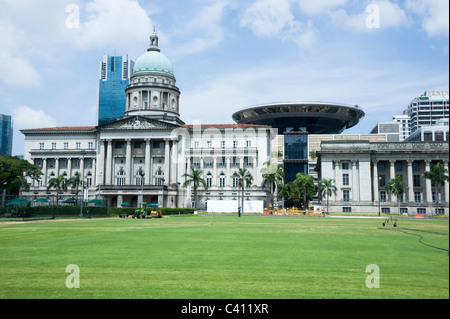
(137,123)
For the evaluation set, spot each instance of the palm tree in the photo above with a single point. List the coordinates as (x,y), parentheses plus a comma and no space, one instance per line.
(195,178)
(75,182)
(59,183)
(245,179)
(273,176)
(305,184)
(439,174)
(397,187)
(327,188)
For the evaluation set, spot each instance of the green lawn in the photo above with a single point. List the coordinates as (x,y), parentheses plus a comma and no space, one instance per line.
(261,257)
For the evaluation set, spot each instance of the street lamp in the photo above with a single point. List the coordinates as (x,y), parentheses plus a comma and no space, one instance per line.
(142,174)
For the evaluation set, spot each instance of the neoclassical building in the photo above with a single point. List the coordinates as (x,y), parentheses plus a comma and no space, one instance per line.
(361,170)
(143,156)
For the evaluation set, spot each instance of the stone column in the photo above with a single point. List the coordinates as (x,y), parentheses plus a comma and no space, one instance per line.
(148,162)
(410,182)
(376,191)
(128,163)
(446,192)
(338,179)
(429,194)
(392,175)
(109,159)
(167,162)
(45,177)
(355,184)
(101,164)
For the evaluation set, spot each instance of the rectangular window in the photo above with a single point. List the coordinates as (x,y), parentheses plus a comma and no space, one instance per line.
(66,145)
(196,144)
(345,166)
(403,210)
(209,144)
(222,181)
(346,209)
(416,180)
(235,181)
(382,180)
(417,197)
(209,181)
(386,210)
(398,166)
(91,145)
(78,145)
(382,196)
(222,144)
(416,166)
(249,143)
(41,146)
(235,144)
(381,166)
(53,146)
(346,195)
(345,180)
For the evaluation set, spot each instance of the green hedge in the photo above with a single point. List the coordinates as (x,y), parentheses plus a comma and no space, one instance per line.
(116,211)
(58,211)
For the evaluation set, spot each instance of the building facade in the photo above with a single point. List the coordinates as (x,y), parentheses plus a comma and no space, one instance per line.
(6,134)
(143,156)
(115,72)
(361,170)
(428,108)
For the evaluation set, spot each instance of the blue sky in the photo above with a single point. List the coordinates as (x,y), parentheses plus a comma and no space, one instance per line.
(226,54)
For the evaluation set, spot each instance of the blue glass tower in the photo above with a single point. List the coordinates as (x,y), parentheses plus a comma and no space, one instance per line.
(6,134)
(115,72)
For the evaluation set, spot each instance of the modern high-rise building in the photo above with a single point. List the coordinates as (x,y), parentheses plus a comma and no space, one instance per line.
(404,126)
(428,108)
(6,134)
(115,72)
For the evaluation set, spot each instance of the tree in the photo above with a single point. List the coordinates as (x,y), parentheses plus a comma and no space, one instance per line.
(327,188)
(306,188)
(59,184)
(273,176)
(75,182)
(195,178)
(245,179)
(397,187)
(14,173)
(439,175)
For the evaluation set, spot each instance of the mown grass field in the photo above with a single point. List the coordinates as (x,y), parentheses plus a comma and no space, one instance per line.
(224,257)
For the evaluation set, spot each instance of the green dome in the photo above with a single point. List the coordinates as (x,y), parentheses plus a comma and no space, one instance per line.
(153,61)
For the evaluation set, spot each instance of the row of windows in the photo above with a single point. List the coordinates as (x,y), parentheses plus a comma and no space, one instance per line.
(66,145)
(418,197)
(209,144)
(403,210)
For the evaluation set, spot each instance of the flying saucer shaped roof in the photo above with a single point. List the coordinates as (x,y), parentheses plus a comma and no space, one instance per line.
(314,117)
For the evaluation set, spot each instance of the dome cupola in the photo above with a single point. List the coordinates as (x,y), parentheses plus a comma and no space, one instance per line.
(152,91)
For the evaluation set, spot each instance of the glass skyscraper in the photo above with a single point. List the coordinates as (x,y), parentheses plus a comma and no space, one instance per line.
(6,136)
(115,72)
(296,155)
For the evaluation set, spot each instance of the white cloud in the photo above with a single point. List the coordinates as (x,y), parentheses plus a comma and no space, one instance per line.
(202,29)
(434,14)
(16,51)
(388,14)
(26,117)
(275,18)
(116,24)
(319,6)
